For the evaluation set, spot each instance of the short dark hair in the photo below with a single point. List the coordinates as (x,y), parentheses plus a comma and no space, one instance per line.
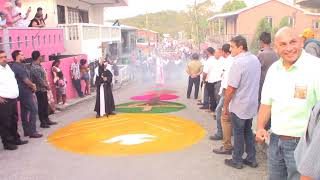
(38,15)
(226,48)
(265,37)
(15,54)
(195,56)
(211,50)
(35,55)
(83,62)
(240,41)
(39,9)
(56,61)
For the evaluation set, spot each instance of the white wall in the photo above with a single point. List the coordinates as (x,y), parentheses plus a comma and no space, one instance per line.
(96,14)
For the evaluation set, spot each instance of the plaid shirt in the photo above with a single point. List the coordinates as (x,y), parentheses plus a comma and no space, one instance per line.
(75,71)
(38,76)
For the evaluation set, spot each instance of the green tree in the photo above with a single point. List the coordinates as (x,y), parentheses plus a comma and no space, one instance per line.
(233,5)
(198,15)
(263,26)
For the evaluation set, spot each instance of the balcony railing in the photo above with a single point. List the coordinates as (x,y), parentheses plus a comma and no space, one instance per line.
(46,40)
(83,38)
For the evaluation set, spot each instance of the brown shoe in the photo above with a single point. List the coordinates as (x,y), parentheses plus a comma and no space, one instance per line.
(221,150)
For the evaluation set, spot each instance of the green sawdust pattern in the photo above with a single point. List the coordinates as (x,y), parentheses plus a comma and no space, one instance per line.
(154,109)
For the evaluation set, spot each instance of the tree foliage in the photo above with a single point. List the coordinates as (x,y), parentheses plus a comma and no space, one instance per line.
(233,5)
(173,22)
(263,26)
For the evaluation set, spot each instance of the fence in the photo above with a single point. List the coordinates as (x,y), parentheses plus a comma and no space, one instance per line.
(46,40)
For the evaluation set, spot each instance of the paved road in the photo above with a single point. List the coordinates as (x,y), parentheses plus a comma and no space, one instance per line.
(39,160)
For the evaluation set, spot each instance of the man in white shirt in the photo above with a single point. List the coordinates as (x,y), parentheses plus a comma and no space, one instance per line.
(204,97)
(9,93)
(17,11)
(221,133)
(212,72)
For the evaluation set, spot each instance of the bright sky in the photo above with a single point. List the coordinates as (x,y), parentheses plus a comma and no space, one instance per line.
(137,7)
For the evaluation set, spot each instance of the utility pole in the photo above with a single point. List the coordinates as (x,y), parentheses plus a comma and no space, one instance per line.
(148,32)
(197,24)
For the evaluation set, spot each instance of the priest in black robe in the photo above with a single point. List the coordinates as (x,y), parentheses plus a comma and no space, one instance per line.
(104,100)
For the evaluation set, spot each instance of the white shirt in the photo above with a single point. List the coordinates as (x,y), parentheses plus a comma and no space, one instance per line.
(213,68)
(8,83)
(22,23)
(226,65)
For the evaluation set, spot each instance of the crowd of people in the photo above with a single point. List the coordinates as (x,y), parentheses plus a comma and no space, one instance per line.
(29,85)
(14,16)
(281,83)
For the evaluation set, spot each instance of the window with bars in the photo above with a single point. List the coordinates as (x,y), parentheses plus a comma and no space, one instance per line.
(269,20)
(61,14)
(316,24)
(77,15)
(291,21)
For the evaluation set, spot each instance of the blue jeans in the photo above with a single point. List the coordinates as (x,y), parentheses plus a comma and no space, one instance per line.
(281,162)
(29,113)
(218,116)
(205,96)
(243,139)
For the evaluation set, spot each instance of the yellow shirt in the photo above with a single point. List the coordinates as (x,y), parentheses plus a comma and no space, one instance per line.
(194,67)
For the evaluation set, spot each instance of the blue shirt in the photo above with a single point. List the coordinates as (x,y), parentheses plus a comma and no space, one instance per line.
(244,75)
(21,74)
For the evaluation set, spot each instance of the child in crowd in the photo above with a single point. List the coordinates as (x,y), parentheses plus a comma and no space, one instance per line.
(62,84)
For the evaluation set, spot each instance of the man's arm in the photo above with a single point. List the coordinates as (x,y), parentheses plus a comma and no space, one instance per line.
(204,76)
(27,14)
(29,83)
(263,118)
(228,94)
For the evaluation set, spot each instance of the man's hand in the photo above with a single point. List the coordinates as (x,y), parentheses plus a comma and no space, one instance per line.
(29,10)
(262,136)
(34,88)
(4,26)
(2,100)
(225,114)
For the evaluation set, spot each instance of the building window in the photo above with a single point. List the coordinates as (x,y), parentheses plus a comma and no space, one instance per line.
(316,25)
(84,16)
(77,16)
(269,20)
(61,14)
(291,21)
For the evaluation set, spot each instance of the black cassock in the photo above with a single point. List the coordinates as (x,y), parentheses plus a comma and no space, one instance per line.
(104,100)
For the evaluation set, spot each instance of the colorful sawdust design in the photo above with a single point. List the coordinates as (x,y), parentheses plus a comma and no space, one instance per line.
(162,97)
(150,107)
(127,134)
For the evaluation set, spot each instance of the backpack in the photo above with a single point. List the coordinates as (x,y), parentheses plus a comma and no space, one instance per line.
(311,41)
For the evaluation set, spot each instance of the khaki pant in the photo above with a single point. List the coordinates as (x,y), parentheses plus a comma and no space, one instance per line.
(227,131)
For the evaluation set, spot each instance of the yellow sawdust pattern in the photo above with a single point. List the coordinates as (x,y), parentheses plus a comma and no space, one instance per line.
(85,137)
